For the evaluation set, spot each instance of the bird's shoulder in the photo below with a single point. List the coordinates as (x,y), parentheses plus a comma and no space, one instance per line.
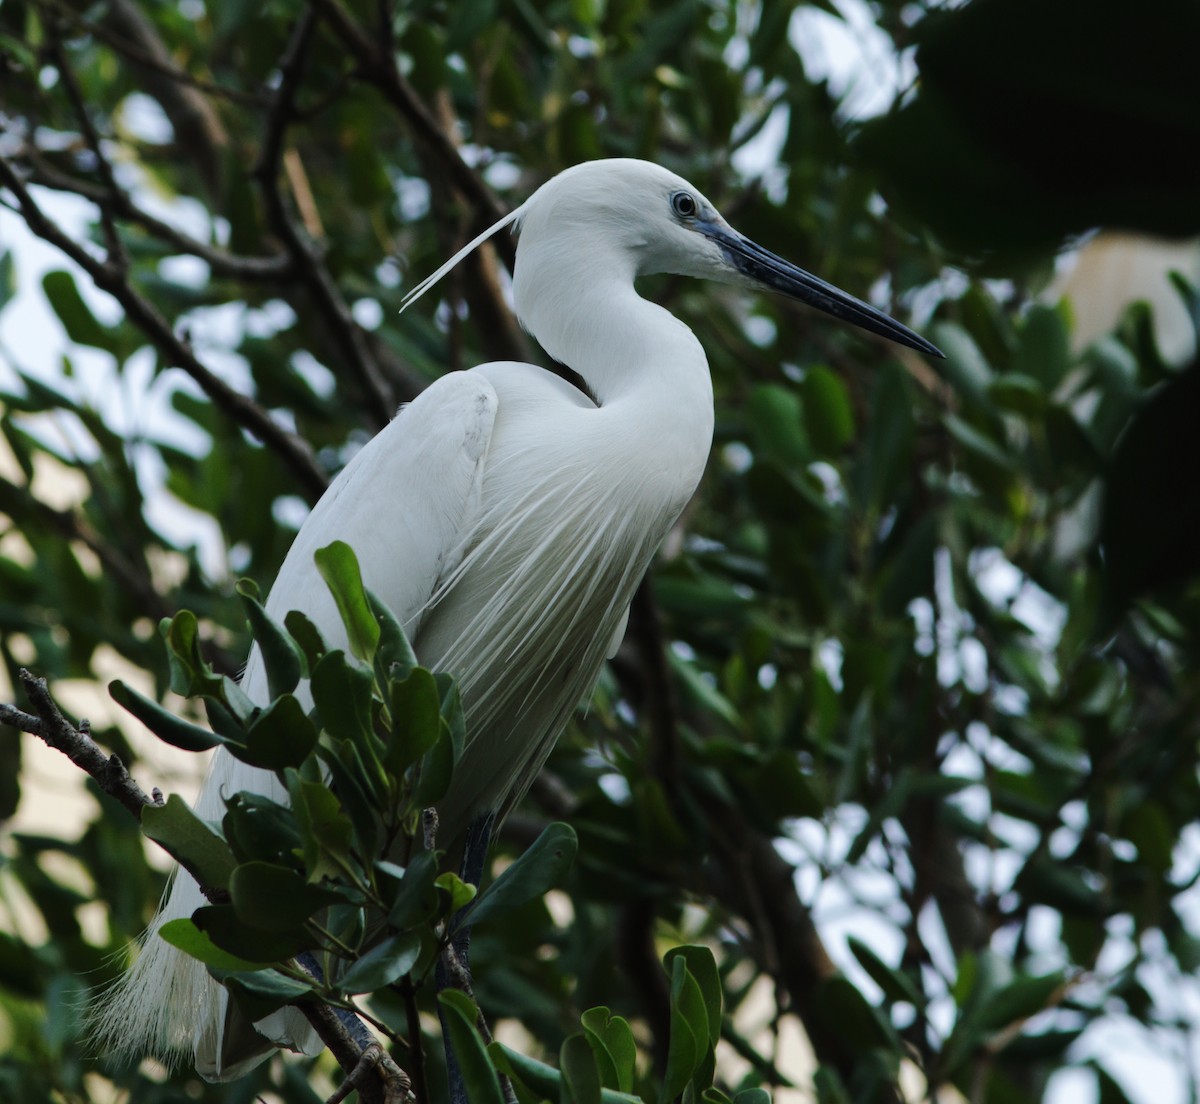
(518,384)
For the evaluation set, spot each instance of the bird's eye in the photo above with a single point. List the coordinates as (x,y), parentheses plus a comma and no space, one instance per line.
(684,205)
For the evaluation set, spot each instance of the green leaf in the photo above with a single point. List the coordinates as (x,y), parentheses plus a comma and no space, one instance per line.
(339,568)
(191,674)
(545,1081)
(752,1096)
(460,893)
(260,993)
(542,866)
(162,722)
(74,313)
(965,365)
(275,898)
(184,934)
(259,828)
(382,965)
(256,945)
(775,419)
(479,1075)
(703,967)
(282,735)
(1021,998)
(356,788)
(890,436)
(896,985)
(325,829)
(416,720)
(413,897)
(688,1042)
(190,841)
(861,1025)
(341,692)
(580,1072)
(307,637)
(616,1051)
(452,712)
(437,769)
(8,276)
(830,1087)
(394,656)
(282,657)
(1044,352)
(828,416)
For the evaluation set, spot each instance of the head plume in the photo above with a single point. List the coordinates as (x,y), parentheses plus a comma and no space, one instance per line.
(421,288)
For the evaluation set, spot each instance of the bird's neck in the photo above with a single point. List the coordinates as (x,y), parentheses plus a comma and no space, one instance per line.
(625,348)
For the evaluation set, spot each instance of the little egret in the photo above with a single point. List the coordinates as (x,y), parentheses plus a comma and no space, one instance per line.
(506,517)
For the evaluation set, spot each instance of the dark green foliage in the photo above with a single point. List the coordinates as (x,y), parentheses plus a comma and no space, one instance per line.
(932,627)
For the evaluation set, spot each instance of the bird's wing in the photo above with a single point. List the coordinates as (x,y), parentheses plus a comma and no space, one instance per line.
(405,504)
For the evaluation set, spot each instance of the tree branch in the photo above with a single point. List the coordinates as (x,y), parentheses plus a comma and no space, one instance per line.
(280,267)
(292,449)
(149,52)
(379,69)
(116,248)
(310,265)
(76,744)
(198,129)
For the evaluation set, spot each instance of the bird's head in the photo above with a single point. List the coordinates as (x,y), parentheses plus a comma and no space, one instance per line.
(622,218)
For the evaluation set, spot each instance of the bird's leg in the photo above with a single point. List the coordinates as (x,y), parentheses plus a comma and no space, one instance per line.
(454,966)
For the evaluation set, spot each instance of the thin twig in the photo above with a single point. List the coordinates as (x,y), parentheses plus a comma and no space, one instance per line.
(279,267)
(378,67)
(76,743)
(199,132)
(311,266)
(416,1050)
(148,60)
(291,448)
(116,248)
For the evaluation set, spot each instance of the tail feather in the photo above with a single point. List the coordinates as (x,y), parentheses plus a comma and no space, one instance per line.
(166,1004)
(162,1003)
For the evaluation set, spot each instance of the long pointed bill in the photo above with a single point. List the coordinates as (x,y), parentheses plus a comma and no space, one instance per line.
(765,268)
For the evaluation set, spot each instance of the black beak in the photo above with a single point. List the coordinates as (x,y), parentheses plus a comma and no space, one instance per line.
(765,268)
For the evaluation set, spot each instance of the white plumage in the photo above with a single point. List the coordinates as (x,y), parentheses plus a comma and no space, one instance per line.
(506,518)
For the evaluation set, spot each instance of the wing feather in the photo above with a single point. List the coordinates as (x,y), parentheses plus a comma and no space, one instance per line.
(403,503)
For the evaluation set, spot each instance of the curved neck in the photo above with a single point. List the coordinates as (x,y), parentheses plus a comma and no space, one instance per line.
(582,308)
(647,371)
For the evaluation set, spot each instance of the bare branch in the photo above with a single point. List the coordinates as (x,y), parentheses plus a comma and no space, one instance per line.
(148,54)
(310,265)
(116,249)
(392,1085)
(198,129)
(291,448)
(76,744)
(379,68)
(119,204)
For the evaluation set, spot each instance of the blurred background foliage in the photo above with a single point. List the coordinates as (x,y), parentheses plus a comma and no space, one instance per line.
(905,725)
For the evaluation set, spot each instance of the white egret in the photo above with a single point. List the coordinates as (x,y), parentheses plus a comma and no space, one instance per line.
(506,517)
